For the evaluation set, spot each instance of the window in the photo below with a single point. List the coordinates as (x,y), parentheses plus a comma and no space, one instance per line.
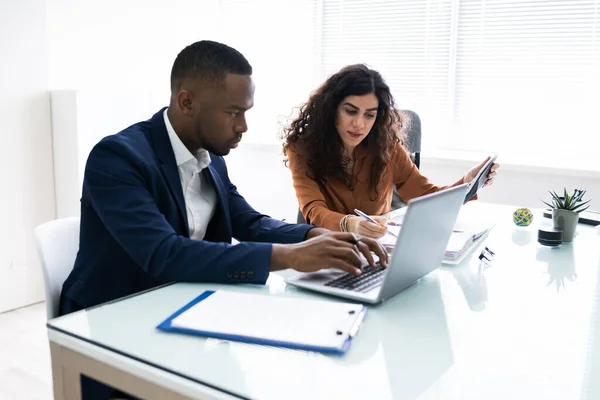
(409,42)
(528,76)
(516,77)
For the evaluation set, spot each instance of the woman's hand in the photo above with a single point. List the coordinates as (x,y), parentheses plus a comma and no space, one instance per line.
(362,227)
(473,173)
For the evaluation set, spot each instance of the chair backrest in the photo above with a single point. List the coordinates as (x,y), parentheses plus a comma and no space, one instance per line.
(57,244)
(300,218)
(412,134)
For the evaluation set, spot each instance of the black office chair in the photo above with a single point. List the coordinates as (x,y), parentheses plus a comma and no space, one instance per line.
(412,140)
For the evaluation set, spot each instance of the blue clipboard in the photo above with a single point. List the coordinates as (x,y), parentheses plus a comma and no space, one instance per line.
(167,326)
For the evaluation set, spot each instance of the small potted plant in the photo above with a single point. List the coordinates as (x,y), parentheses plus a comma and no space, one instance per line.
(565,211)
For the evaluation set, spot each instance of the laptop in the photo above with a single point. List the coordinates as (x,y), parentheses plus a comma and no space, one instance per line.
(419,249)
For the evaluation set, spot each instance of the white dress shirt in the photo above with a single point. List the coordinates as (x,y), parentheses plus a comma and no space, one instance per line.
(199,193)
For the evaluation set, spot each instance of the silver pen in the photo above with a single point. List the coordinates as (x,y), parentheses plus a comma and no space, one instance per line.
(365,216)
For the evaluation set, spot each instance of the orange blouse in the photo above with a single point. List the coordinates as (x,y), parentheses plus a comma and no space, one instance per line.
(325,208)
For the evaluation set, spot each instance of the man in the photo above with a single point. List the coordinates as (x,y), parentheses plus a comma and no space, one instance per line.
(158,206)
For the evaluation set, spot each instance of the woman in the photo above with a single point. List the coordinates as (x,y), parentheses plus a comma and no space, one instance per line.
(345,153)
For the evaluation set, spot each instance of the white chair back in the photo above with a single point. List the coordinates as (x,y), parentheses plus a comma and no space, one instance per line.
(57,244)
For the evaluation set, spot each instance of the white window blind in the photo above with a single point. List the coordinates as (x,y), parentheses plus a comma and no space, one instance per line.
(279,39)
(528,77)
(511,76)
(517,77)
(409,42)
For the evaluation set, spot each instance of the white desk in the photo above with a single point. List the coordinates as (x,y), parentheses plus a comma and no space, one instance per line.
(528,327)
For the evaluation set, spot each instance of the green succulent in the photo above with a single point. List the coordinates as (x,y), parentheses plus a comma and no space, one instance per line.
(571,202)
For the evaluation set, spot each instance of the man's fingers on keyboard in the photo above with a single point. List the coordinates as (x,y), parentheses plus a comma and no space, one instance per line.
(349,256)
(378,249)
(364,249)
(344,266)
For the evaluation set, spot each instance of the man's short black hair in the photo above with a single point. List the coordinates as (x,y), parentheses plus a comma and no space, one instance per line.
(209,61)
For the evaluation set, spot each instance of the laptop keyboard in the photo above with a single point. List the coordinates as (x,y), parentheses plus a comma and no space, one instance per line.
(370,278)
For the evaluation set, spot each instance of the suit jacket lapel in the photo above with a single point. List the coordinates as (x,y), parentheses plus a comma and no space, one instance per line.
(222,211)
(168,165)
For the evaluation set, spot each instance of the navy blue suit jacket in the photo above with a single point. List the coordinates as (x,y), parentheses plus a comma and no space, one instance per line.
(134,230)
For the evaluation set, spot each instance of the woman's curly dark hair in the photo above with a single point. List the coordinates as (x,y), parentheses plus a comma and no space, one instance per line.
(313,135)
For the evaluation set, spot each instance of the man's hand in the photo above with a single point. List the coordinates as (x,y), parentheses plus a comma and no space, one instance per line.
(340,250)
(362,227)
(473,173)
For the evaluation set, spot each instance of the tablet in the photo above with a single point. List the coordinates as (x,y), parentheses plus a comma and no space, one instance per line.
(480,179)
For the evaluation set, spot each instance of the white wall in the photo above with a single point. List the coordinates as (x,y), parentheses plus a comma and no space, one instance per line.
(117,46)
(79,120)
(26,176)
(263,180)
(109,67)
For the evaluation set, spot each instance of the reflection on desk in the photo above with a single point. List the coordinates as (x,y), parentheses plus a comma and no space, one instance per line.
(471,279)
(561,265)
(412,339)
(590,386)
(522,236)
